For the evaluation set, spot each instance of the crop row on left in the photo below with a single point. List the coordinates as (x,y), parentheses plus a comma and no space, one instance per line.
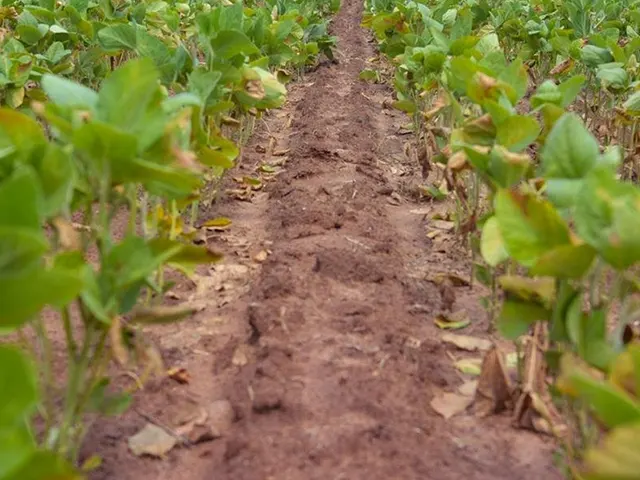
(111,107)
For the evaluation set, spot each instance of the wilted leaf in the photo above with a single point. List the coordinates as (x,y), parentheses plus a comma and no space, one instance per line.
(179,374)
(450,404)
(466,342)
(540,290)
(494,390)
(492,246)
(468,388)
(617,457)
(118,346)
(470,366)
(455,321)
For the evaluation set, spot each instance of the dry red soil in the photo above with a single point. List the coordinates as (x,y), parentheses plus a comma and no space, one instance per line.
(329,365)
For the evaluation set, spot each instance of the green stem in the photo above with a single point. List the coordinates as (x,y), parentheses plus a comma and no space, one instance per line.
(47,372)
(68,331)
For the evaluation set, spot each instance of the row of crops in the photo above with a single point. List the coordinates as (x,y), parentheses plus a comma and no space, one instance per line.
(111,108)
(529,109)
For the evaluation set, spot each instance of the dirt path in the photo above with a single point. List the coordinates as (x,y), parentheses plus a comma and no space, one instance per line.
(328,370)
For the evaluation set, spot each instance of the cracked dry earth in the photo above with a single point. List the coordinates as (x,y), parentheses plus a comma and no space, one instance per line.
(329,367)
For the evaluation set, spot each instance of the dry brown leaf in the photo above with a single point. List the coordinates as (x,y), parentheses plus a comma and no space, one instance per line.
(466,342)
(468,388)
(443,225)
(494,392)
(179,374)
(120,352)
(456,280)
(68,236)
(450,404)
(469,366)
(280,153)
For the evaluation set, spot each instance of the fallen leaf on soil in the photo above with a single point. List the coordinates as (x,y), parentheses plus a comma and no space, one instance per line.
(468,388)
(494,392)
(219,223)
(421,211)
(91,463)
(179,374)
(466,342)
(456,280)
(450,404)
(151,440)
(443,225)
(470,366)
(281,153)
(454,321)
(261,256)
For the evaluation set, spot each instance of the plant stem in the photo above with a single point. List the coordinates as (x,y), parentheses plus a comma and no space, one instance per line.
(68,331)
(47,372)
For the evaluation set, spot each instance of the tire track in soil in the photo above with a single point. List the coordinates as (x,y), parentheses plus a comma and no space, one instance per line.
(339,374)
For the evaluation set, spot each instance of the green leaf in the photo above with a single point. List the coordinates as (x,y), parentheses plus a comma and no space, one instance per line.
(565,261)
(570,89)
(368,75)
(66,93)
(632,104)
(613,75)
(20,135)
(611,405)
(118,37)
(20,201)
(126,94)
(606,217)
(491,243)
(19,382)
(593,56)
(529,226)
(229,43)
(16,447)
(185,256)
(24,294)
(517,316)
(100,401)
(518,132)
(45,465)
(570,151)
(406,106)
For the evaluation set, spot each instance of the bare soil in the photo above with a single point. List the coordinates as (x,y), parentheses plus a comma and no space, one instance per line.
(329,365)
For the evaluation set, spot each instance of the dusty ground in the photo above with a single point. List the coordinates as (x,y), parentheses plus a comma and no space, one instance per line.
(329,365)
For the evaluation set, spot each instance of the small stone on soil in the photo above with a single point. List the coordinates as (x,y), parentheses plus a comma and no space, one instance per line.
(221,417)
(151,440)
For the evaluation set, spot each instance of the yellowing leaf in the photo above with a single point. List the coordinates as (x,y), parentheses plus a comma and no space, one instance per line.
(455,321)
